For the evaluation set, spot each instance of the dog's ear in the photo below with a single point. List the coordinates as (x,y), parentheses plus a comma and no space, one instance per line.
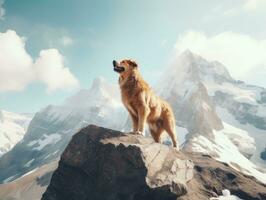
(132,63)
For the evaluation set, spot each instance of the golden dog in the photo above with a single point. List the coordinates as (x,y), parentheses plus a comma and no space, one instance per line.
(142,104)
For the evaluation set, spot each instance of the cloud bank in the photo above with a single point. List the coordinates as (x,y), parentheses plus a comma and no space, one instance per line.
(240,53)
(18,69)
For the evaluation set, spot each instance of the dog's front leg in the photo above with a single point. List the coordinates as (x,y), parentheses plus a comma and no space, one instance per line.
(142,118)
(134,120)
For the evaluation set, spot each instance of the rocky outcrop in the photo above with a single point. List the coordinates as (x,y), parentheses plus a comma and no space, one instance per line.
(102,164)
(211,177)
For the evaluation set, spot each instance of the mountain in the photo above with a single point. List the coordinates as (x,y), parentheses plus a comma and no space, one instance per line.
(114,165)
(52,128)
(30,186)
(237,103)
(217,112)
(215,115)
(182,87)
(13,126)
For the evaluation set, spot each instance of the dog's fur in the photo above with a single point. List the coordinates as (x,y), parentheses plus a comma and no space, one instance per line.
(142,104)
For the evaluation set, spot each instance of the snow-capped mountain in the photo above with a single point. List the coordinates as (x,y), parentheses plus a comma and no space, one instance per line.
(223,117)
(237,103)
(182,87)
(215,114)
(13,126)
(52,127)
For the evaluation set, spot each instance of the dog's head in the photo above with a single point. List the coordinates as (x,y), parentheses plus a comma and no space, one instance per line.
(125,66)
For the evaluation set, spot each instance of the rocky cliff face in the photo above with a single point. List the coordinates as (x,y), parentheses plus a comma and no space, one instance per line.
(104,164)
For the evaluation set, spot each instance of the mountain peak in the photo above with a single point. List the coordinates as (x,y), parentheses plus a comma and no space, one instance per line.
(202,68)
(100,91)
(187,53)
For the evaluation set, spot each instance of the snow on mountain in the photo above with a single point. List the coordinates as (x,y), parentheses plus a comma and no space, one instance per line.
(241,139)
(215,114)
(197,90)
(52,128)
(245,105)
(223,149)
(257,134)
(226,195)
(13,126)
(182,87)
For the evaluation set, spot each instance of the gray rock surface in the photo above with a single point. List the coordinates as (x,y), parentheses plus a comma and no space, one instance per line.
(102,164)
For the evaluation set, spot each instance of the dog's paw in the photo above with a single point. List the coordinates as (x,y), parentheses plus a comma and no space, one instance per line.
(139,133)
(177,148)
(136,132)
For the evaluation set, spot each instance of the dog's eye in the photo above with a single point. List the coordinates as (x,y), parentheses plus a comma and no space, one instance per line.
(133,63)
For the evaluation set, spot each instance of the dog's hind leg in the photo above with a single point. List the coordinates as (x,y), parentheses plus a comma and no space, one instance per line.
(156,132)
(169,126)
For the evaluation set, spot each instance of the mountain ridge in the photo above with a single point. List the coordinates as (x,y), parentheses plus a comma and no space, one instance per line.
(193,95)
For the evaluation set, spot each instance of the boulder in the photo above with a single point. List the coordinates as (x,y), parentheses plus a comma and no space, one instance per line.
(102,164)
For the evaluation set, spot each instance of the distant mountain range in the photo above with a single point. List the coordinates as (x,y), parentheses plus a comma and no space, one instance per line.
(13,126)
(52,128)
(215,114)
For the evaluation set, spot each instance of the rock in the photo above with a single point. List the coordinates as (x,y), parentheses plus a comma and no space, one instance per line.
(102,164)
(212,177)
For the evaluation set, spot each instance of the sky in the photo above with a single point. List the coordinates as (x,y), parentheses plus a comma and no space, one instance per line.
(51,49)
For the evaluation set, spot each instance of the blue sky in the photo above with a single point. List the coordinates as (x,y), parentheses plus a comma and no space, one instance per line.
(90,34)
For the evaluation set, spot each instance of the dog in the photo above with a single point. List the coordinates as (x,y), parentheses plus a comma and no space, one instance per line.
(142,103)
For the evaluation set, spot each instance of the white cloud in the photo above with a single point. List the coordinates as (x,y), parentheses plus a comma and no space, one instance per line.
(51,71)
(17,68)
(2,10)
(15,63)
(66,41)
(240,53)
(254,5)
(247,6)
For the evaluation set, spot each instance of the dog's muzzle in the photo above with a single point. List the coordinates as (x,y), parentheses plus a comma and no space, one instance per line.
(117,68)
